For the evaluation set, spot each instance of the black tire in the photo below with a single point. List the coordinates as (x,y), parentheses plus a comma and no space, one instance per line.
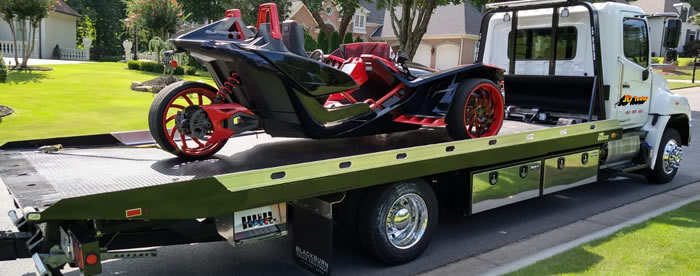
(159,107)
(455,119)
(659,175)
(372,221)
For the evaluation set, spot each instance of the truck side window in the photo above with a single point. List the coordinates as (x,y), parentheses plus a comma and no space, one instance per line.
(535,44)
(636,41)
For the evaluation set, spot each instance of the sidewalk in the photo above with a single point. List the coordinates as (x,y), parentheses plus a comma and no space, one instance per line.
(525,252)
(36,61)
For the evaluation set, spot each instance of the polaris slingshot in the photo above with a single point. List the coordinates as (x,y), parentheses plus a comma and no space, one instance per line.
(267,81)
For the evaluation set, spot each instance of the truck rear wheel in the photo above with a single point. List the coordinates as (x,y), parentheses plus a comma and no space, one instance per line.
(396,222)
(476,110)
(668,158)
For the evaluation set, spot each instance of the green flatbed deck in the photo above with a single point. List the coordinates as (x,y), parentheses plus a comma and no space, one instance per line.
(252,171)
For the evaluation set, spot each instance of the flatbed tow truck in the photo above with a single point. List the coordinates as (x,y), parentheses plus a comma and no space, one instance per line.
(108,196)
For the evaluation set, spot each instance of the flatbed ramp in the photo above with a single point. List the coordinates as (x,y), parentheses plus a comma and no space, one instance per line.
(251,171)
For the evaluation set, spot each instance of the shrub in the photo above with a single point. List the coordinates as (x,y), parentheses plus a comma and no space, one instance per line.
(657,60)
(348,38)
(685,61)
(133,65)
(179,70)
(191,70)
(691,48)
(334,42)
(110,58)
(309,42)
(322,41)
(358,39)
(3,70)
(150,66)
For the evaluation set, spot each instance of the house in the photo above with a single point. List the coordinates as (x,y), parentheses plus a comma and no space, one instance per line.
(366,20)
(59,28)
(449,41)
(689,31)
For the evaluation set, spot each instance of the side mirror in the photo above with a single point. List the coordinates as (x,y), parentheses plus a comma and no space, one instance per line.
(645,74)
(673,33)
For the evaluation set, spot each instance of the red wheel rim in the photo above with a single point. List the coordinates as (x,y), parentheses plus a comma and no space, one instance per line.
(483,111)
(188,145)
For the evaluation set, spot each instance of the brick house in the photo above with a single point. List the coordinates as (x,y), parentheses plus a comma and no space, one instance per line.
(365,21)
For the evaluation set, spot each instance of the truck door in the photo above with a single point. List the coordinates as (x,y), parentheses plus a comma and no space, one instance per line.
(635,73)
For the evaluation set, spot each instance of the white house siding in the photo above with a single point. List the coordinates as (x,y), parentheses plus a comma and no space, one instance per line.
(59,29)
(6,42)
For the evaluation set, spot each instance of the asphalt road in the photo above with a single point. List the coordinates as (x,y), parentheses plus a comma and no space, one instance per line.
(456,237)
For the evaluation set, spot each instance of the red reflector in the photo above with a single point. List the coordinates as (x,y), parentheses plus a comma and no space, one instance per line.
(91,259)
(173,63)
(133,212)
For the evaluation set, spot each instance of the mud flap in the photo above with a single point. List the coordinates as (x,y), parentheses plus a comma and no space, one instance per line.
(313,233)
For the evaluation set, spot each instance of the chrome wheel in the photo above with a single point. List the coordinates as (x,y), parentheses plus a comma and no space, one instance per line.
(406,221)
(673,154)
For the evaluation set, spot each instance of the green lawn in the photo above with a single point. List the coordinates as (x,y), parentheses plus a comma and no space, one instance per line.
(681,85)
(665,245)
(75,99)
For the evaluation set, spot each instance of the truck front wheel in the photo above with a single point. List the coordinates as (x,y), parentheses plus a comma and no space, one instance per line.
(668,158)
(396,222)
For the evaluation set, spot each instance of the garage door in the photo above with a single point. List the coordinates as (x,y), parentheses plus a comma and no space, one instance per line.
(446,56)
(423,55)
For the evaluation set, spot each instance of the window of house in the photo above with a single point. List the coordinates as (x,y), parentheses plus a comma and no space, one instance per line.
(329,11)
(358,22)
(535,44)
(635,41)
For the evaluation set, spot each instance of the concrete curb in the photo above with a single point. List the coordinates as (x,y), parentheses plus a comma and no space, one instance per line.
(593,236)
(520,254)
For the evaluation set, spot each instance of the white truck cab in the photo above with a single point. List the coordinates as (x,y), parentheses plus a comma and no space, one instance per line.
(572,62)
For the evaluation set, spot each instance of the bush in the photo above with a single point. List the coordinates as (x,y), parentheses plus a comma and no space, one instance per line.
(657,60)
(309,42)
(133,65)
(691,48)
(686,61)
(179,71)
(348,38)
(191,70)
(334,42)
(322,41)
(110,58)
(3,70)
(150,66)
(358,39)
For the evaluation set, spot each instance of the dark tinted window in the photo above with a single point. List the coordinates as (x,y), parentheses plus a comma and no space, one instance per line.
(636,41)
(535,44)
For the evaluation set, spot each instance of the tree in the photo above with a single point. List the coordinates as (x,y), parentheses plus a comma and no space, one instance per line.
(160,17)
(409,25)
(249,8)
(347,9)
(322,42)
(334,42)
(204,10)
(106,17)
(29,14)
(309,42)
(348,38)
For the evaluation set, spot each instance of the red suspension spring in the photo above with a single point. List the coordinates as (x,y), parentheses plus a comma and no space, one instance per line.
(228,86)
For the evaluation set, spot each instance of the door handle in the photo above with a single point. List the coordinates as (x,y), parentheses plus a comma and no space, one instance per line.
(625,85)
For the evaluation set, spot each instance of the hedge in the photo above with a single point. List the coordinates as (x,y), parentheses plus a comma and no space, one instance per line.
(154,67)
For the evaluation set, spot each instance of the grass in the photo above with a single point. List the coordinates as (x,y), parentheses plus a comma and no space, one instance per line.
(681,85)
(665,245)
(75,99)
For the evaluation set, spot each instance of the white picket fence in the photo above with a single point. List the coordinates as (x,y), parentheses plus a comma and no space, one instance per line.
(8,50)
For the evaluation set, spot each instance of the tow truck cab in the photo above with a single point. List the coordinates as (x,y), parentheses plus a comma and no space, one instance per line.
(576,61)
